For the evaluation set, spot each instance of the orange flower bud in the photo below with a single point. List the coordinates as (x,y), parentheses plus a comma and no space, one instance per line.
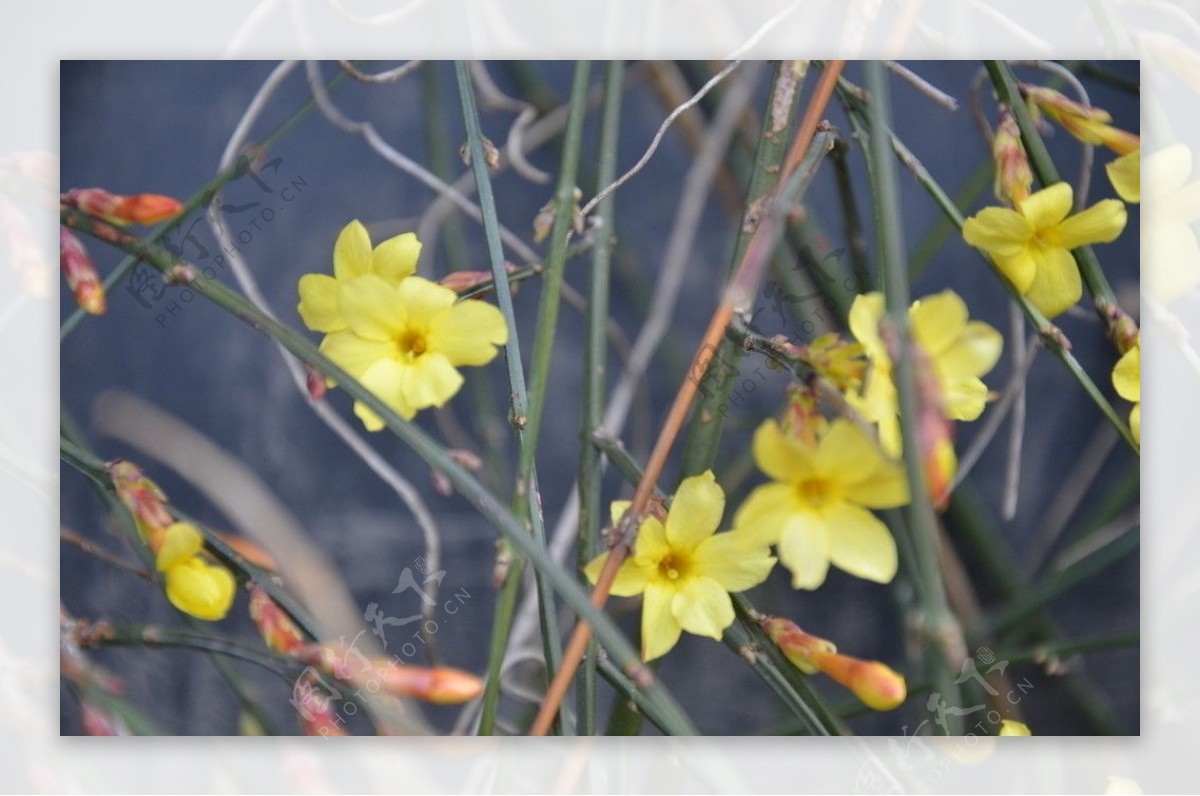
(798,646)
(251,551)
(1014,178)
(142,497)
(935,433)
(80,273)
(1089,125)
(143,208)
(439,685)
(276,627)
(462,281)
(875,684)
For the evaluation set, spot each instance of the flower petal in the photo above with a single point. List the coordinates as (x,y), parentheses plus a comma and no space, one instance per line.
(974,353)
(737,560)
(779,456)
(1168,169)
(1135,423)
(1047,207)
(468,333)
(859,543)
(1057,286)
(396,258)
(651,546)
(352,252)
(1125,174)
(998,231)
(318,306)
(1020,268)
(424,300)
(1127,375)
(631,577)
(180,541)
(386,379)
(937,321)
(703,607)
(372,307)
(964,399)
(616,510)
(660,628)
(355,354)
(695,512)
(430,380)
(804,549)
(200,589)
(846,455)
(1100,223)
(887,488)
(766,512)
(865,314)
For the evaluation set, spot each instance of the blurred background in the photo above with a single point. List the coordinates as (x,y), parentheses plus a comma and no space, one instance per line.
(161,127)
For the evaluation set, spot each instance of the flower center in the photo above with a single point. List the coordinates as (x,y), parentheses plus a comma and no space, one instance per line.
(816,492)
(411,342)
(672,567)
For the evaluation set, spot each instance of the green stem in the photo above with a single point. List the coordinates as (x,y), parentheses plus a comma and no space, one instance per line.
(703,441)
(1062,649)
(922,521)
(738,638)
(526,414)
(464,483)
(201,198)
(595,359)
(1009,93)
(160,638)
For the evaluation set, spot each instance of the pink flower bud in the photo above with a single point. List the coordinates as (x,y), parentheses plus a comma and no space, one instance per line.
(276,627)
(143,208)
(80,273)
(875,684)
(798,646)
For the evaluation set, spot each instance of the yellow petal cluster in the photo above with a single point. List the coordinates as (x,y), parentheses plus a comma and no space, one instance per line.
(684,569)
(402,336)
(1127,379)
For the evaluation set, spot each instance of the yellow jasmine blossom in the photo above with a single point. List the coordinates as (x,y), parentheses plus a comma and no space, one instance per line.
(1009,727)
(201,589)
(393,260)
(1170,209)
(179,542)
(404,341)
(1127,378)
(1125,174)
(816,508)
(1031,245)
(684,569)
(958,350)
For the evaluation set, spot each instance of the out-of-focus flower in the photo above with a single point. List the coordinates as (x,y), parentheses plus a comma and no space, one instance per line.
(684,568)
(958,351)
(98,721)
(840,361)
(193,584)
(201,589)
(1014,178)
(816,508)
(1010,727)
(1127,379)
(142,208)
(393,260)
(406,341)
(1122,786)
(80,273)
(20,245)
(1125,173)
(1170,207)
(1031,245)
(876,684)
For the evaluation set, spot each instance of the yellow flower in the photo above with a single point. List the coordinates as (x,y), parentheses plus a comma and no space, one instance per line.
(816,509)
(404,341)
(179,542)
(393,260)
(201,589)
(685,569)
(1171,207)
(1010,727)
(1031,245)
(958,350)
(1090,125)
(1127,378)
(1125,174)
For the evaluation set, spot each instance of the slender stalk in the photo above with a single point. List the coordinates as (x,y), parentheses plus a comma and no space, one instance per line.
(1062,649)
(1009,94)
(161,638)
(779,114)
(922,520)
(1053,338)
(202,197)
(595,359)
(739,640)
(738,294)
(856,238)
(626,688)
(526,414)
(465,484)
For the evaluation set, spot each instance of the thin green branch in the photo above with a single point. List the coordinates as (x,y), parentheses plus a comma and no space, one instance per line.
(527,501)
(595,359)
(941,624)
(465,484)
